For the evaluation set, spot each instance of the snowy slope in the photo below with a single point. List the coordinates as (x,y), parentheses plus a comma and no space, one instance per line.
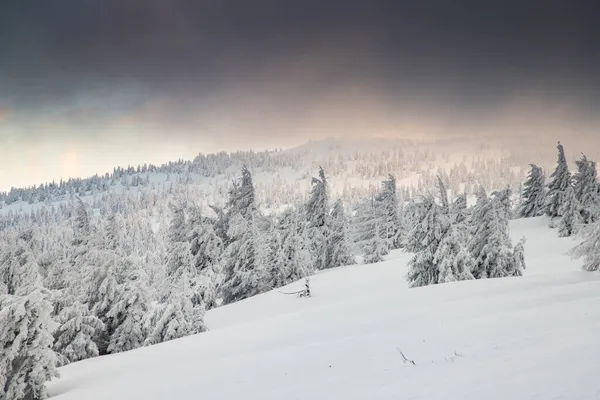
(534,337)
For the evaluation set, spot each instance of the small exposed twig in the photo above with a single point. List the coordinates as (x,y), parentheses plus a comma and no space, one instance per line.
(406,360)
(298,292)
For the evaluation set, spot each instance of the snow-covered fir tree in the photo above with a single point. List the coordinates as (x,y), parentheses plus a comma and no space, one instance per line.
(387,199)
(571,212)
(339,240)
(490,244)
(585,186)
(453,260)
(27,360)
(176,317)
(370,234)
(424,240)
(560,180)
(318,225)
(19,270)
(589,249)
(206,248)
(244,275)
(77,328)
(291,258)
(129,311)
(533,197)
(102,289)
(519,259)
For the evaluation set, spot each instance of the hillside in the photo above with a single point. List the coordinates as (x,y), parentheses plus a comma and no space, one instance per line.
(355,169)
(533,337)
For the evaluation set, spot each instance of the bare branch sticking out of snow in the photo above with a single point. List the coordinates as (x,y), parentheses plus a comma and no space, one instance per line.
(404,359)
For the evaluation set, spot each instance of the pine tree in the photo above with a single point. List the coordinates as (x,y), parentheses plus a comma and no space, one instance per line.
(571,214)
(128,313)
(490,245)
(370,232)
(19,270)
(533,196)
(102,288)
(458,210)
(589,249)
(586,189)
(387,199)
(318,226)
(206,250)
(291,258)
(244,276)
(519,259)
(424,239)
(452,259)
(175,318)
(341,251)
(77,329)
(27,360)
(443,195)
(560,181)
(242,197)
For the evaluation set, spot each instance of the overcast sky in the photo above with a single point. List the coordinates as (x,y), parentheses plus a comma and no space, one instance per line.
(89,84)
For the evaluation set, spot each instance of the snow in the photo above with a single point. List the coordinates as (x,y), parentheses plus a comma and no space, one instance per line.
(531,337)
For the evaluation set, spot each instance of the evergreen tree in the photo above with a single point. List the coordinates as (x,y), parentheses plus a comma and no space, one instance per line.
(519,259)
(490,245)
(341,251)
(458,210)
(128,313)
(242,197)
(586,189)
(443,195)
(589,249)
(244,275)
(560,181)
(571,214)
(77,329)
(425,238)
(102,291)
(27,360)
(387,199)
(317,216)
(19,270)
(453,261)
(291,258)
(533,195)
(206,250)
(370,232)
(175,318)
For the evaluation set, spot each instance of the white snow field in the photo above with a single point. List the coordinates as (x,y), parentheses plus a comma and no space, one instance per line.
(533,337)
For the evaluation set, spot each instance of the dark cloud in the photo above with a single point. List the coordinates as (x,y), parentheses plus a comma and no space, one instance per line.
(470,56)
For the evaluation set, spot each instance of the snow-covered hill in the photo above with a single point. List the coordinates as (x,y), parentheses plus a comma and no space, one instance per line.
(365,335)
(355,169)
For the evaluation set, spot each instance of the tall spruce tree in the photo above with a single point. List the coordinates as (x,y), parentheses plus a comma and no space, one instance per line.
(27,360)
(243,274)
(589,249)
(318,226)
(585,186)
(533,201)
(387,199)
(424,240)
(175,318)
(560,181)
(341,248)
(571,214)
(129,311)
(77,328)
(490,244)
